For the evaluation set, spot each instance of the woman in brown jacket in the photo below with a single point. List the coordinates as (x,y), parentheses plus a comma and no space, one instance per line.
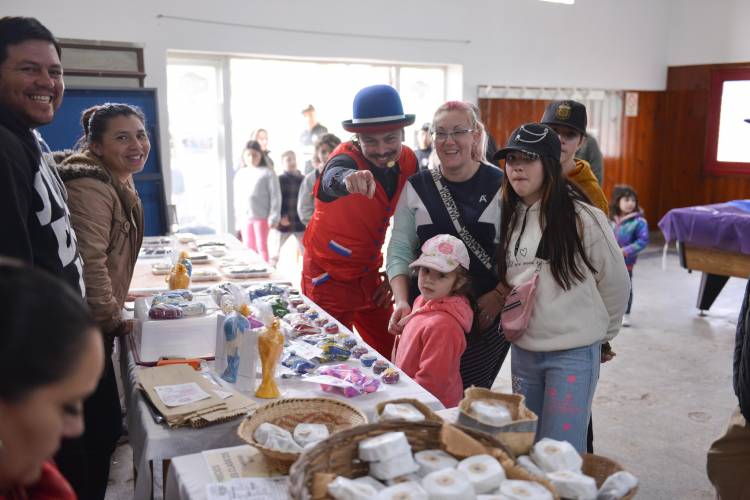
(107,216)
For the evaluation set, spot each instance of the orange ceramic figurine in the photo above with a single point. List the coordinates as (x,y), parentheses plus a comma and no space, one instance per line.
(178,277)
(270,345)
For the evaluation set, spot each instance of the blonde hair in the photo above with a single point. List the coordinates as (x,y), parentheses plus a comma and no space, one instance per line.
(479,149)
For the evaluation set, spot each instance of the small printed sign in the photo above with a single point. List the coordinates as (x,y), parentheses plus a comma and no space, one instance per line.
(631,104)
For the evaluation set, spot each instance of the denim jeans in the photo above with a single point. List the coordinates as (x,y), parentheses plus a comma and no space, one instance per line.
(559,387)
(630,299)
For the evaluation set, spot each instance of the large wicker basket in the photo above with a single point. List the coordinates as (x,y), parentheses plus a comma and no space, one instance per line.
(338,455)
(600,468)
(337,415)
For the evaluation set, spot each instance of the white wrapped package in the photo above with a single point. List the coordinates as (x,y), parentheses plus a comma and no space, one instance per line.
(513,489)
(617,486)
(433,461)
(384,447)
(401,411)
(342,488)
(484,472)
(552,456)
(573,485)
(371,481)
(448,484)
(527,463)
(403,491)
(307,434)
(276,438)
(406,478)
(491,412)
(393,467)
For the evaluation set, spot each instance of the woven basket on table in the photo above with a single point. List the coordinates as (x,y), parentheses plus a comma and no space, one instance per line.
(423,408)
(600,468)
(338,455)
(337,415)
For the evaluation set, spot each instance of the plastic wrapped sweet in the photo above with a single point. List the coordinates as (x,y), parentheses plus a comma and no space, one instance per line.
(552,455)
(333,352)
(448,484)
(383,447)
(402,411)
(321,322)
(359,351)
(258,291)
(278,305)
(331,328)
(343,488)
(359,383)
(570,484)
(527,463)
(433,460)
(393,467)
(380,366)
(298,364)
(390,376)
(308,433)
(368,360)
(165,311)
(193,308)
(513,489)
(303,308)
(296,301)
(403,491)
(349,343)
(483,471)
(371,481)
(274,437)
(172,297)
(617,486)
(491,412)
(301,328)
(313,315)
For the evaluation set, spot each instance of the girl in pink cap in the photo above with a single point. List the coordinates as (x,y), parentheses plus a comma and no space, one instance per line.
(434,337)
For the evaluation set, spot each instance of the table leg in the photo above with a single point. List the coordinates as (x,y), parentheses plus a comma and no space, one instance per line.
(711,285)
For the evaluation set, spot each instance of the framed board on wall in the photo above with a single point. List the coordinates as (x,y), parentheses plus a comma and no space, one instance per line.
(66,129)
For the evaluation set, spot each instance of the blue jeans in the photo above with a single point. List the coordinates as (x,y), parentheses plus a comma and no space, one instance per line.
(559,387)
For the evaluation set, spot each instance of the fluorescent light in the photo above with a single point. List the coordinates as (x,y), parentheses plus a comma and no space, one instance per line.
(566,2)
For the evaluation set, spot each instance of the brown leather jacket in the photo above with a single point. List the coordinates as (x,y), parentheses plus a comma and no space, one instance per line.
(107,217)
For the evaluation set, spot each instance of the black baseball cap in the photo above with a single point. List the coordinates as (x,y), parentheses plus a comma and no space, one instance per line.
(534,138)
(567,113)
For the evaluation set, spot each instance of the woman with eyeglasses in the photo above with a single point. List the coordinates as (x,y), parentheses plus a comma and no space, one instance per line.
(459,197)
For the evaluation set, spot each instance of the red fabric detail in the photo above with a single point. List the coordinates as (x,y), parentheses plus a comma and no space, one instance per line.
(51,486)
(432,343)
(354,222)
(350,302)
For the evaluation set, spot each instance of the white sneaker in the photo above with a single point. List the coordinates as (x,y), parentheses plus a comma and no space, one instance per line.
(626,320)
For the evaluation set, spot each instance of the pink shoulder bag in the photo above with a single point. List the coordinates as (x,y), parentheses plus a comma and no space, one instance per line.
(519,304)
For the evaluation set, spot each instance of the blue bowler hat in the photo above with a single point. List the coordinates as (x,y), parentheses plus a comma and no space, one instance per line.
(377,109)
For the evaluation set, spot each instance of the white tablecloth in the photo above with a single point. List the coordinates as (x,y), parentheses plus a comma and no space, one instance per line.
(153,442)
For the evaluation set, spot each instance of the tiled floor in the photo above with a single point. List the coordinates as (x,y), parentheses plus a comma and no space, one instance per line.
(664,398)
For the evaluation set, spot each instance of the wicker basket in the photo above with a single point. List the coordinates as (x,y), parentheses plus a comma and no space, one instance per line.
(600,468)
(338,455)
(287,413)
(517,435)
(429,415)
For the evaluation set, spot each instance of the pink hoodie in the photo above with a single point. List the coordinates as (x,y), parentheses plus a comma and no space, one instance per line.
(432,343)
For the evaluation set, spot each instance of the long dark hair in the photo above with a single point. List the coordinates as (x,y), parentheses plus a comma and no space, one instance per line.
(44,330)
(95,119)
(561,241)
(253,144)
(619,192)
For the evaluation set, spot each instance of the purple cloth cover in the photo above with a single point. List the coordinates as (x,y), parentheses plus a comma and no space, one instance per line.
(725,226)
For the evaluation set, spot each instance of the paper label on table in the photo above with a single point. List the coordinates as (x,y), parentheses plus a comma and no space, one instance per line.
(255,488)
(235,463)
(222,394)
(180,394)
(305,350)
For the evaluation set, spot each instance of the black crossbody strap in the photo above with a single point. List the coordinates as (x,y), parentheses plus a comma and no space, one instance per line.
(450,205)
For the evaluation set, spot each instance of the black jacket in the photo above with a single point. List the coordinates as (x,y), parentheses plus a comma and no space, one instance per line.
(35,220)
(742,356)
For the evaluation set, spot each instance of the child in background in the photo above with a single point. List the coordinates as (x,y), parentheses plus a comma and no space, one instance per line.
(289,224)
(257,199)
(631,231)
(434,335)
(306,200)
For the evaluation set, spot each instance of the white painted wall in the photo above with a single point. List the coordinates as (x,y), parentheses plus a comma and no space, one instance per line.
(706,32)
(620,44)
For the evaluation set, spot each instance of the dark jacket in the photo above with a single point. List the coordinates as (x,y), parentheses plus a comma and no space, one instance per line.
(742,356)
(36,226)
(108,218)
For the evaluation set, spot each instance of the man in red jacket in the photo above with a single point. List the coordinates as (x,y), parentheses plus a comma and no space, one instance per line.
(355,198)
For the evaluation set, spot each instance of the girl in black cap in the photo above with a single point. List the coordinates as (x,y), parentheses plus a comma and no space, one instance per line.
(552,234)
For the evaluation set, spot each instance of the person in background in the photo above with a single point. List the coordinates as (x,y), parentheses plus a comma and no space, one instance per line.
(474,186)
(590,152)
(289,224)
(310,135)
(36,221)
(568,119)
(261,135)
(306,200)
(434,337)
(631,231)
(257,199)
(51,358)
(551,234)
(107,216)
(424,146)
(356,196)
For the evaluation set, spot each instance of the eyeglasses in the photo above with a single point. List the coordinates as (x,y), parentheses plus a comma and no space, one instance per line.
(442,136)
(521,157)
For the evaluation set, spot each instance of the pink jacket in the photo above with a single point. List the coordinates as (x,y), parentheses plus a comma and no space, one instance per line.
(432,343)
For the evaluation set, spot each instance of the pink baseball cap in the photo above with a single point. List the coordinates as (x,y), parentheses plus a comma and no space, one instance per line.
(443,253)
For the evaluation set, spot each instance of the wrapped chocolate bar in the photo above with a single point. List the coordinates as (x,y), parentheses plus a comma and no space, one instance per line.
(298,364)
